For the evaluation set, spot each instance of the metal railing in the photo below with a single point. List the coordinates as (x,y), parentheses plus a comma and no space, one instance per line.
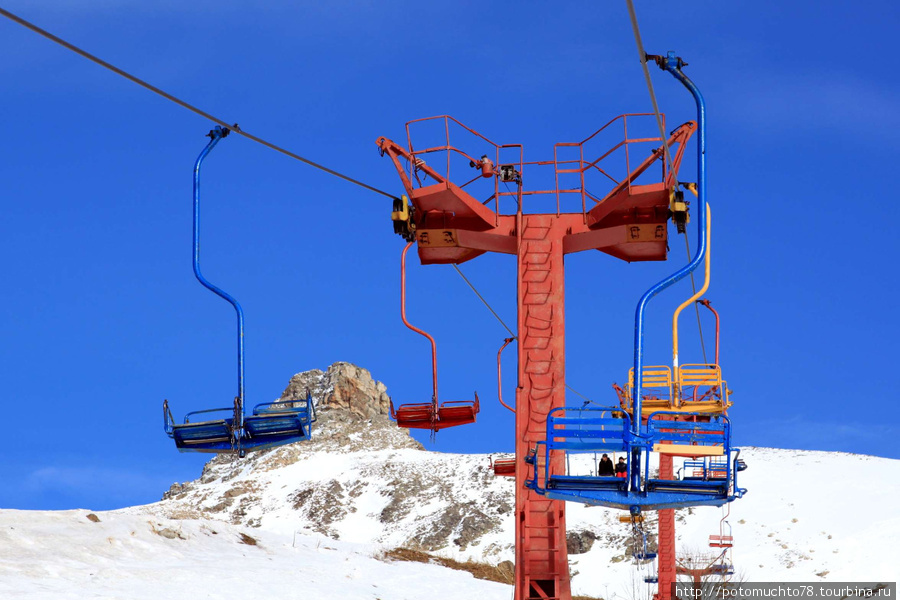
(579,166)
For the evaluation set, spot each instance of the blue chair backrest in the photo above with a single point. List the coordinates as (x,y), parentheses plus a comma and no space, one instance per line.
(587,429)
(716,432)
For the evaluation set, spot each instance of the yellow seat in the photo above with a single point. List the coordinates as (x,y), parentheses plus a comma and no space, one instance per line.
(656,377)
(702,375)
(702,379)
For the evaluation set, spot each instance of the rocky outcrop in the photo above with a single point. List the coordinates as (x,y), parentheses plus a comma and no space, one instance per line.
(579,542)
(343,386)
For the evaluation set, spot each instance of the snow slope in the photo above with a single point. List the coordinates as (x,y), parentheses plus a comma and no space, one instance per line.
(808,516)
(64,555)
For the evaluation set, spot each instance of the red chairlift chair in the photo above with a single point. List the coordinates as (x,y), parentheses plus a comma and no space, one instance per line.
(430,415)
(504,467)
(723,540)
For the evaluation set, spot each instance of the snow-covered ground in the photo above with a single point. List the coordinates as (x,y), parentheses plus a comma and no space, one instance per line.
(63,555)
(808,516)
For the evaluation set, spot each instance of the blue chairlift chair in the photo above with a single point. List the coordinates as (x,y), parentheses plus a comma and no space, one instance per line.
(273,423)
(573,430)
(723,569)
(277,423)
(211,435)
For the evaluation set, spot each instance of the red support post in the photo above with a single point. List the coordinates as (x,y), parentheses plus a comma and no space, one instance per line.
(542,565)
(666,537)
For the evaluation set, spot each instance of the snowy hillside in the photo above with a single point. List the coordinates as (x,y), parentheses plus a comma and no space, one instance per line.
(323,511)
(76,554)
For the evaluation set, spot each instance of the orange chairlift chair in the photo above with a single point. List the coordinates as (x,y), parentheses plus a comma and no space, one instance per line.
(724,539)
(503,467)
(430,415)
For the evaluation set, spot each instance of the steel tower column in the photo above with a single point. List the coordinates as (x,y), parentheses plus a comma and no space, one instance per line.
(665,537)
(542,568)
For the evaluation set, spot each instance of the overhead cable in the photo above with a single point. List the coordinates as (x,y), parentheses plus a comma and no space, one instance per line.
(505,326)
(235,128)
(643,57)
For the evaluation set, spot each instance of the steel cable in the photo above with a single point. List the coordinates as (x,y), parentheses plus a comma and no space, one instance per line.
(505,326)
(235,128)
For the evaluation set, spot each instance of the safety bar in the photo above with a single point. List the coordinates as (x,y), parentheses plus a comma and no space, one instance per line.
(476,402)
(738,492)
(285,403)
(262,409)
(168,419)
(535,480)
(708,305)
(310,405)
(187,417)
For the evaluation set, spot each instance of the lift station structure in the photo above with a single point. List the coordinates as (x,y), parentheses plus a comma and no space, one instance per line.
(449,225)
(495,211)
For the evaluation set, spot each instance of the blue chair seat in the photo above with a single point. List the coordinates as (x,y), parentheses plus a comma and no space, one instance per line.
(277,423)
(722,569)
(204,436)
(274,424)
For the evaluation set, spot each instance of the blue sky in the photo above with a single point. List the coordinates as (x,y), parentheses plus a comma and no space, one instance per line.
(103,318)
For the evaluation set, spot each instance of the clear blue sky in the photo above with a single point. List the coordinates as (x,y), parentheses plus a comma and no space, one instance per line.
(103,318)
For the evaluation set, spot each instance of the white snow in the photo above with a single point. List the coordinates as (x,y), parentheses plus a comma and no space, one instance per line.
(63,555)
(808,516)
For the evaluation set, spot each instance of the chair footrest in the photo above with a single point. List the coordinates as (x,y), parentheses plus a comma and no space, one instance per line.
(562,482)
(688,486)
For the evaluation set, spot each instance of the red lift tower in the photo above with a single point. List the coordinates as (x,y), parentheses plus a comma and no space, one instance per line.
(451,226)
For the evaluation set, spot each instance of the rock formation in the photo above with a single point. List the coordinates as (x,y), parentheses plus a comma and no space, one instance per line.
(343,386)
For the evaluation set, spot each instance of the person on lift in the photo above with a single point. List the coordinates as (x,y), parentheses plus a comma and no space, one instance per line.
(605,467)
(622,468)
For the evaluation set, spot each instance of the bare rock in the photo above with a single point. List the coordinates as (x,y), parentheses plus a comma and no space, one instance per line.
(579,542)
(323,505)
(343,386)
(462,524)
